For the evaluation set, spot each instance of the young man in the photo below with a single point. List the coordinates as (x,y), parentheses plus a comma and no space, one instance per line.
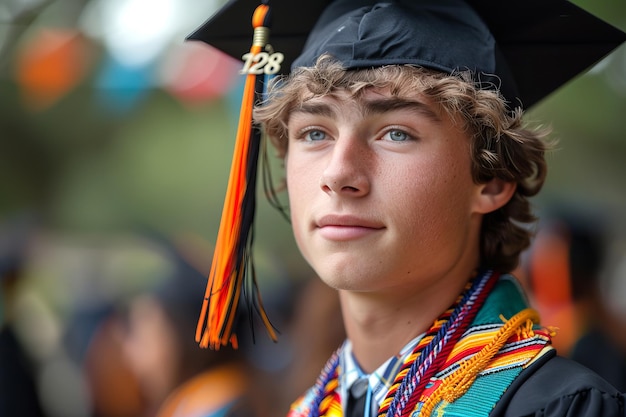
(409,169)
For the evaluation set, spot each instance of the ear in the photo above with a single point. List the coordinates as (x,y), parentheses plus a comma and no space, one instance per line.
(494,194)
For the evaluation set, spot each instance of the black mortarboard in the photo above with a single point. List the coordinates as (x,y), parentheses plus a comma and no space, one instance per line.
(524,48)
(545,42)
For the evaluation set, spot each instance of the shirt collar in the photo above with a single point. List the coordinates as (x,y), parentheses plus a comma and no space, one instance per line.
(380,380)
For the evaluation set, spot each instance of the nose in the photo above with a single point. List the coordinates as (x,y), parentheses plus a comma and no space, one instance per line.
(348,169)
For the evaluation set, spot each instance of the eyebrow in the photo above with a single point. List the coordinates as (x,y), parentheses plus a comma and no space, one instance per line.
(370,107)
(318,109)
(383,105)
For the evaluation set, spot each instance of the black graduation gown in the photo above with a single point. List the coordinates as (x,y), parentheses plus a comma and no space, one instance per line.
(557,387)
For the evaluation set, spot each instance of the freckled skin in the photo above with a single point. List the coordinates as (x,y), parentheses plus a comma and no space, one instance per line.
(385,210)
(420,191)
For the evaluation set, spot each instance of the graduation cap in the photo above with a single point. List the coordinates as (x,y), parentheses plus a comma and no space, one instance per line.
(525,49)
(546,43)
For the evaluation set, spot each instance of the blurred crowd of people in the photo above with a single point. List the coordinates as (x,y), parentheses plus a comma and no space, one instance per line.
(132,353)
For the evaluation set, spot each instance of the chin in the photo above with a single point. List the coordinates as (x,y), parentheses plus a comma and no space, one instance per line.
(347,280)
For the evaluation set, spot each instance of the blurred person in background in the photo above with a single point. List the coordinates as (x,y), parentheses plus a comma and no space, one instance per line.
(572,248)
(18,387)
(598,293)
(546,272)
(175,377)
(114,388)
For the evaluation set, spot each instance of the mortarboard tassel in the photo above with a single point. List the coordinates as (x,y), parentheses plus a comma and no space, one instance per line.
(232,269)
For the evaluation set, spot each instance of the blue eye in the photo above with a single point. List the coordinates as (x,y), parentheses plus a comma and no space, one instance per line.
(397,135)
(315,135)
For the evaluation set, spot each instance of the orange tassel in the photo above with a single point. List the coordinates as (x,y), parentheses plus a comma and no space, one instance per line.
(232,255)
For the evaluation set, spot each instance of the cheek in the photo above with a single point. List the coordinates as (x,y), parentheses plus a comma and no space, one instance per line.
(303,180)
(434,198)
(296,186)
(299,193)
(300,228)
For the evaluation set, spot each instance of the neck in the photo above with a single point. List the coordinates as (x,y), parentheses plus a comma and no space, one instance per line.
(380,325)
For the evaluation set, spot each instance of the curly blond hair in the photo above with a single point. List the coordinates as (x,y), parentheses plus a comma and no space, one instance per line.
(502,145)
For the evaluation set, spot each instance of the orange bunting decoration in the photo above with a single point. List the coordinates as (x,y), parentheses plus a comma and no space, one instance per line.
(51,64)
(232,269)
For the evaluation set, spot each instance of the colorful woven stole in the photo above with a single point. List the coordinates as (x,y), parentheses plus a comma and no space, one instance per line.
(468,357)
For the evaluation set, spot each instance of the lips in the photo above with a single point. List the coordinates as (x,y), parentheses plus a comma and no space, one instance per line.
(346,227)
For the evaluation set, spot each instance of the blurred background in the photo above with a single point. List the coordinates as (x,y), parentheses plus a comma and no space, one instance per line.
(115,142)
